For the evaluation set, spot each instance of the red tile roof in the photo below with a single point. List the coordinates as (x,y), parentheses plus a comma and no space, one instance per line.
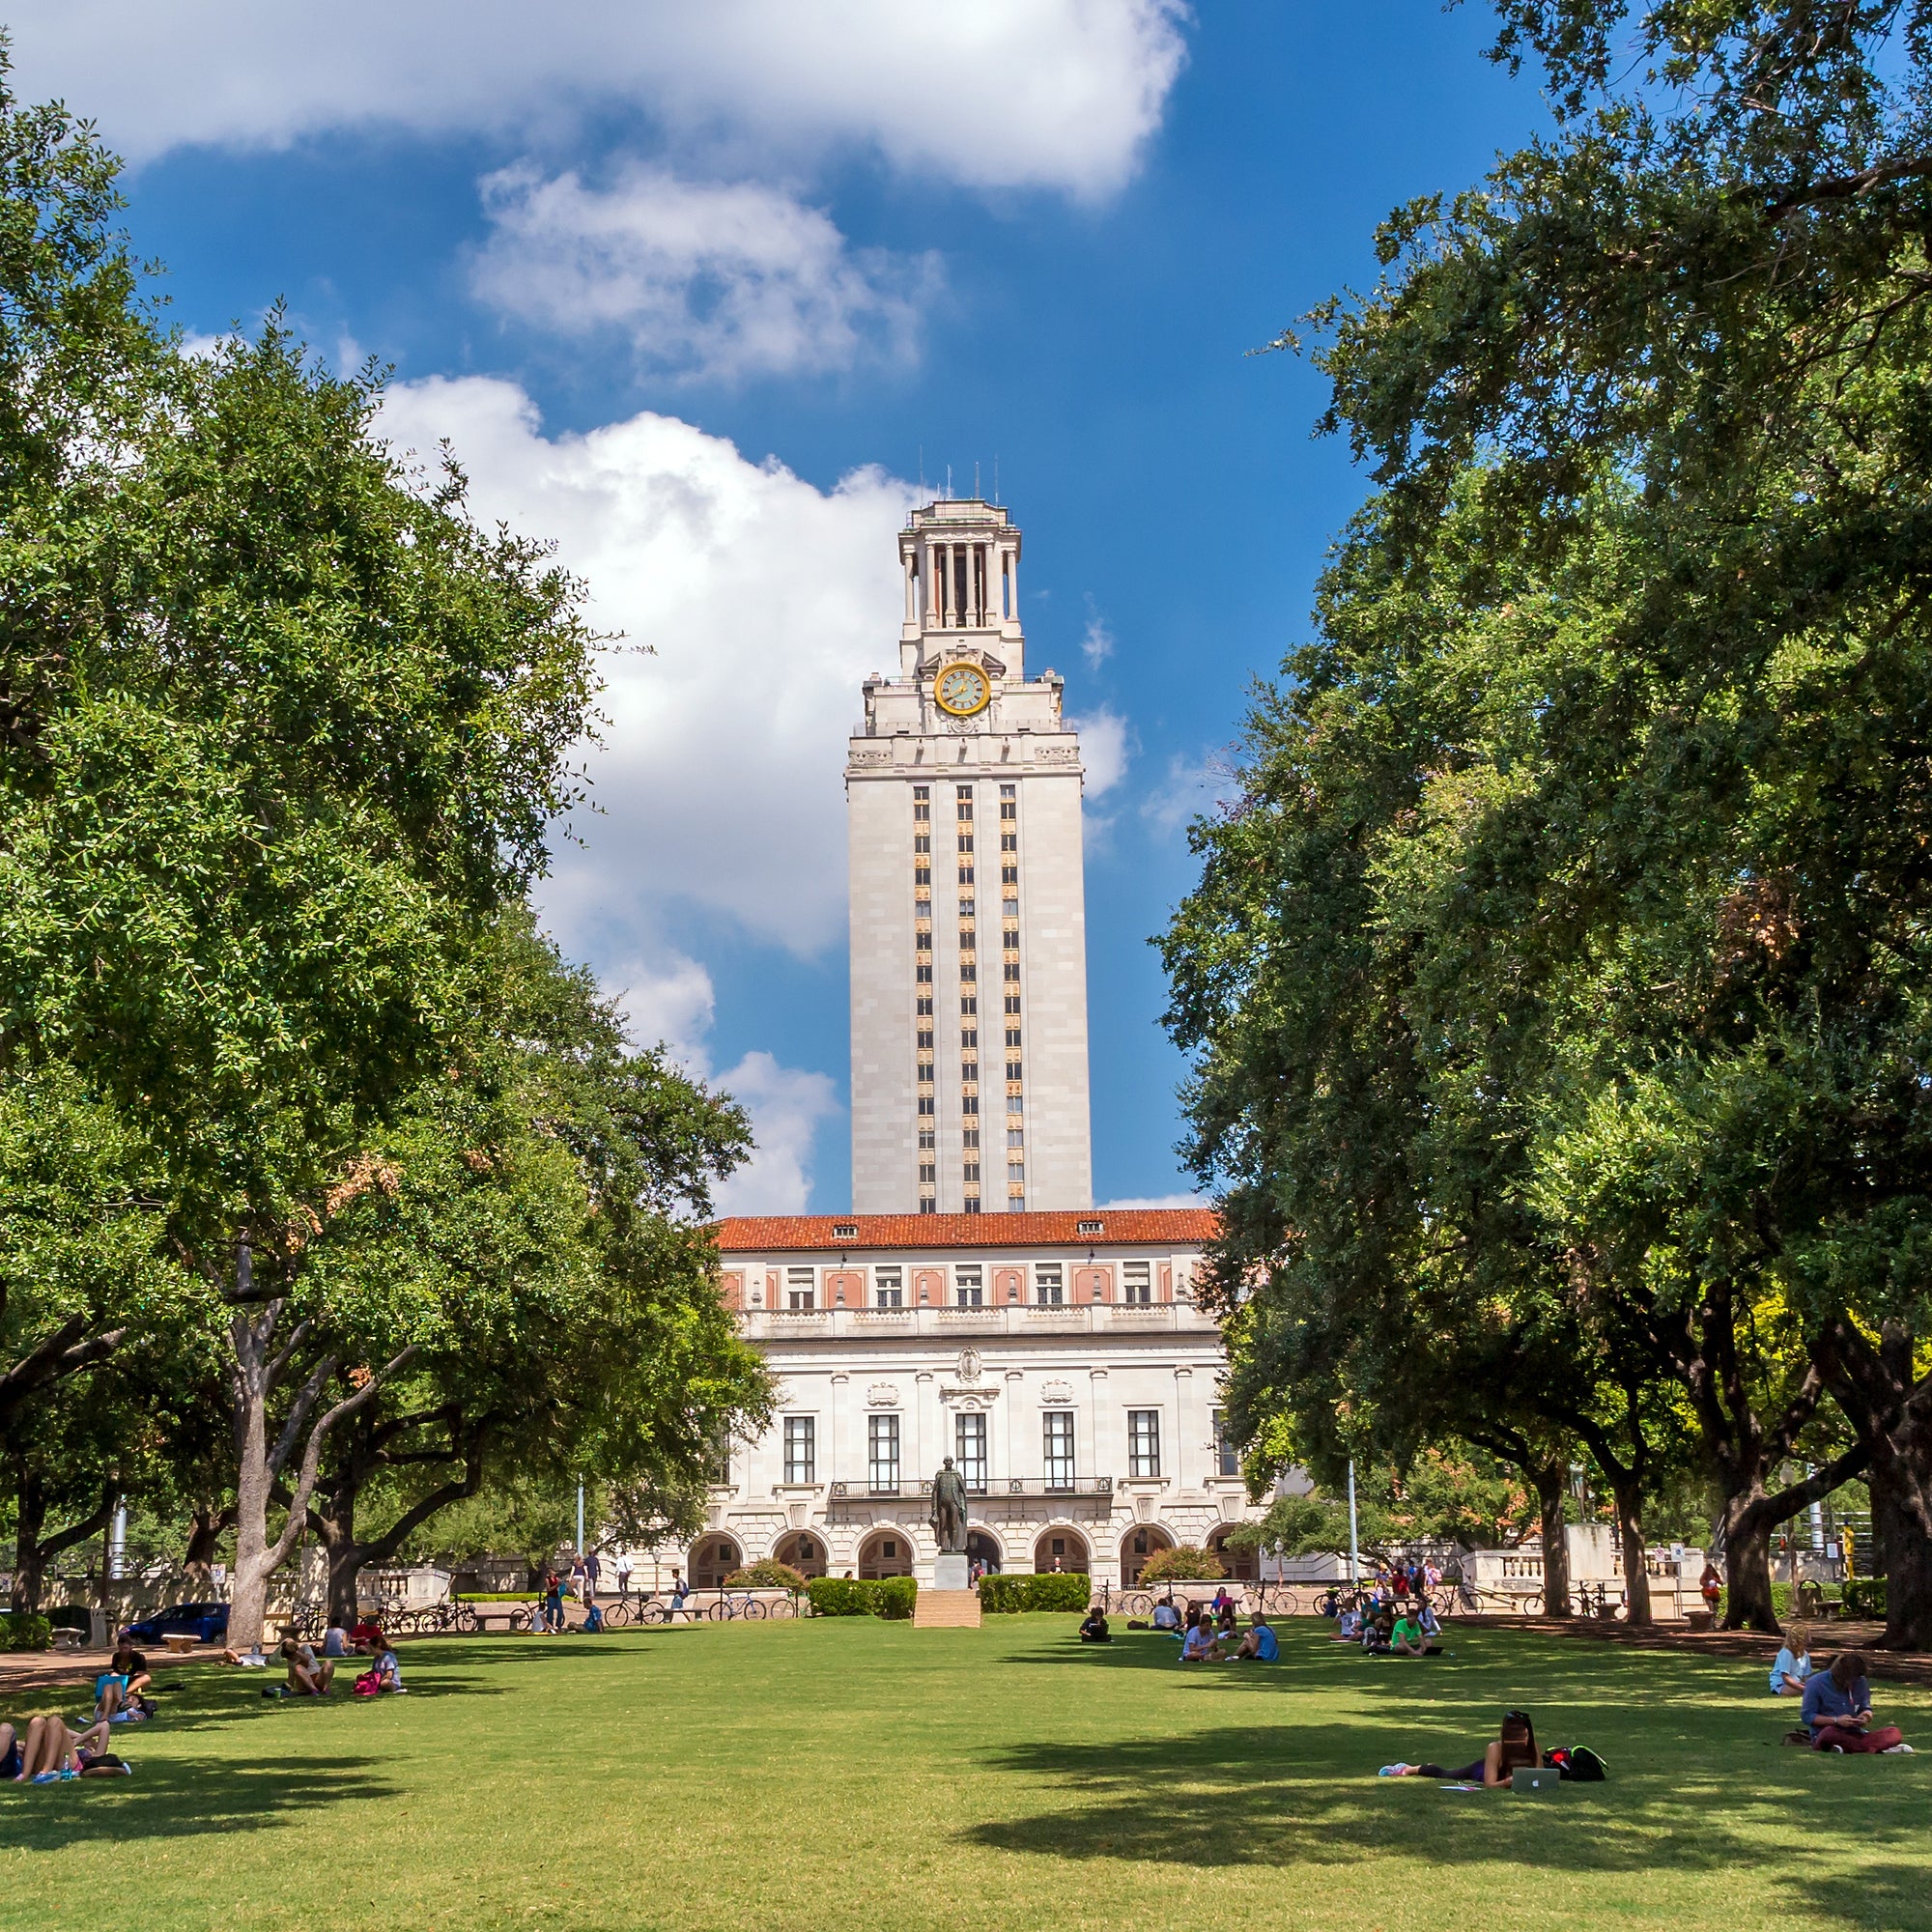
(1119,1227)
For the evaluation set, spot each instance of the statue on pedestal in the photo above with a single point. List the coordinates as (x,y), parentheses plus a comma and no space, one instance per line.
(948,1515)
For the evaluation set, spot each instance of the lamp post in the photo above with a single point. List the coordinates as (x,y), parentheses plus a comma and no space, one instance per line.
(579,1520)
(1355,1555)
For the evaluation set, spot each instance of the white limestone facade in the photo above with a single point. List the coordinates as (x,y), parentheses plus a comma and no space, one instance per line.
(968,911)
(1058,1357)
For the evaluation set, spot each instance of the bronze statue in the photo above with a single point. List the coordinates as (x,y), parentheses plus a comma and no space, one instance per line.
(948,1515)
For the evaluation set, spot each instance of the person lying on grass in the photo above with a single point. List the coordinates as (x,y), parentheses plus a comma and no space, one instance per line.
(1793,1662)
(1838,1710)
(1512,1751)
(52,1749)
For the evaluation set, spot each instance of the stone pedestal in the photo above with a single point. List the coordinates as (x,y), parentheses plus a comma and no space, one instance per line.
(948,1573)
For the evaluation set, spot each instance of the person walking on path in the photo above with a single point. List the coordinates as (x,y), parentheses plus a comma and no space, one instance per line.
(592,1570)
(624,1568)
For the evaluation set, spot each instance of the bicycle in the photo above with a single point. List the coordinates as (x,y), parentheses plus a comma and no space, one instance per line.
(1137,1603)
(1600,1606)
(729,1608)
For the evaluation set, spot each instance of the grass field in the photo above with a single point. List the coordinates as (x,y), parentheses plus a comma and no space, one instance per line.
(849,1773)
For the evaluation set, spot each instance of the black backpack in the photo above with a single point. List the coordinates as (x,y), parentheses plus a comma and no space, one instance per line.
(1578,1765)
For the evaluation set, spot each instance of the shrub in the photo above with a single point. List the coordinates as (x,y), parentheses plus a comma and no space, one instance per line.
(893,1597)
(1864,1596)
(1057,1590)
(1183,1566)
(766,1576)
(20,1630)
(497,1596)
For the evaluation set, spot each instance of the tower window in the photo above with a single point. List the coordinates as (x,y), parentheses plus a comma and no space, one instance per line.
(1013,1070)
(1013,1036)
(970,972)
(1010,841)
(969,1103)
(970,1138)
(1008,809)
(926,1139)
(922,815)
(969,1036)
(922,841)
(922,973)
(965,875)
(1013,1003)
(972,1170)
(927,1204)
(971,1206)
(799,1448)
(964,793)
(1137,1283)
(965,841)
(922,875)
(926,1039)
(1009,791)
(926,1105)
(1048,1284)
(922,791)
(968,1003)
(924,1005)
(968,1283)
(1016,1137)
(1011,970)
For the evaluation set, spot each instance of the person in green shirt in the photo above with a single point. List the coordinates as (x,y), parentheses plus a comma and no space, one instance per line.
(1410,1640)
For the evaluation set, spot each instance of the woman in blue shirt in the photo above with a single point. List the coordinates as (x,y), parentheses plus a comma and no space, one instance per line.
(1794,1663)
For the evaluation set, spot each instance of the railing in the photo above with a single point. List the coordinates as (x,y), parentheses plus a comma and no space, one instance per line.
(1028,1486)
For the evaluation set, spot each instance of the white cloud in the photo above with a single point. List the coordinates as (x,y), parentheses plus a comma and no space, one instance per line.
(764,602)
(787,1107)
(1096,644)
(707,278)
(1107,745)
(1158,1200)
(671,999)
(1059,94)
(1191,787)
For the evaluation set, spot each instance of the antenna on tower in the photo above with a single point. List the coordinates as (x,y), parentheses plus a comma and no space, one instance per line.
(996,476)
(922,469)
(949,482)
(976,479)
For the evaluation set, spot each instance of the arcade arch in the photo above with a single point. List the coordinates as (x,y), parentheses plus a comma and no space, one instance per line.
(804,1549)
(1144,1541)
(885,1552)
(983,1546)
(1060,1548)
(1242,1565)
(713,1559)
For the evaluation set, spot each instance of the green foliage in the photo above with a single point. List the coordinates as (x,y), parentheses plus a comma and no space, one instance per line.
(1556,985)
(497,1596)
(1183,1562)
(891,1597)
(1052,1590)
(1864,1596)
(767,1574)
(20,1630)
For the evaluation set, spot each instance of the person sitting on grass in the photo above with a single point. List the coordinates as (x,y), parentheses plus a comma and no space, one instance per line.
(389,1668)
(1793,1663)
(1259,1645)
(1224,1618)
(1838,1710)
(1514,1750)
(1377,1632)
(1199,1644)
(1407,1638)
(309,1675)
(1349,1624)
(1166,1618)
(334,1643)
(117,1690)
(1094,1629)
(365,1636)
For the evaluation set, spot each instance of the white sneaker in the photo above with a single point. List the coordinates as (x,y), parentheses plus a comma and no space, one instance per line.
(1896,1750)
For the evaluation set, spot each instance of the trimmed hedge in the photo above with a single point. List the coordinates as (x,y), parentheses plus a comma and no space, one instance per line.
(18,1631)
(891,1597)
(498,1595)
(1864,1597)
(1056,1590)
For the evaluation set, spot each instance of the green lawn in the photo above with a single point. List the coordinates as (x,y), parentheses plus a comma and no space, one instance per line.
(852,1773)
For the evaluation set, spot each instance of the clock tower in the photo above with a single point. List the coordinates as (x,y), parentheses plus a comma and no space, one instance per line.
(968,909)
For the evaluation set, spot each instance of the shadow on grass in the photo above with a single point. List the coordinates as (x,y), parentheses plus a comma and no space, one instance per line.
(180,1798)
(1277,1797)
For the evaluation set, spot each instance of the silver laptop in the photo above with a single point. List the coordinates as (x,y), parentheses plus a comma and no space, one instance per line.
(1524,1779)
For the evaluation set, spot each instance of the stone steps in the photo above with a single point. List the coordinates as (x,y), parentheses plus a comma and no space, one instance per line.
(946,1609)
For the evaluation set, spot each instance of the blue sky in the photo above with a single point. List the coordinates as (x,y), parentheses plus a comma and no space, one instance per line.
(697,291)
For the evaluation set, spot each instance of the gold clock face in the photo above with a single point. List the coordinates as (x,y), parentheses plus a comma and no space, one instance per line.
(963,688)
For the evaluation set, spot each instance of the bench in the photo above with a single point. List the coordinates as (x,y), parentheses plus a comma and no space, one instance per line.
(180,1642)
(67,1637)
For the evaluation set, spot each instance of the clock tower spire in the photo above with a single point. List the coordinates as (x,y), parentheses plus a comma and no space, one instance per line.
(968,908)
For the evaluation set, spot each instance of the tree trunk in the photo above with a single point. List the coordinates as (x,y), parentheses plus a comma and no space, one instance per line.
(1901,1495)
(251,1332)
(1551,1480)
(29,1564)
(204,1541)
(1747,1526)
(1893,1413)
(1628,1493)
